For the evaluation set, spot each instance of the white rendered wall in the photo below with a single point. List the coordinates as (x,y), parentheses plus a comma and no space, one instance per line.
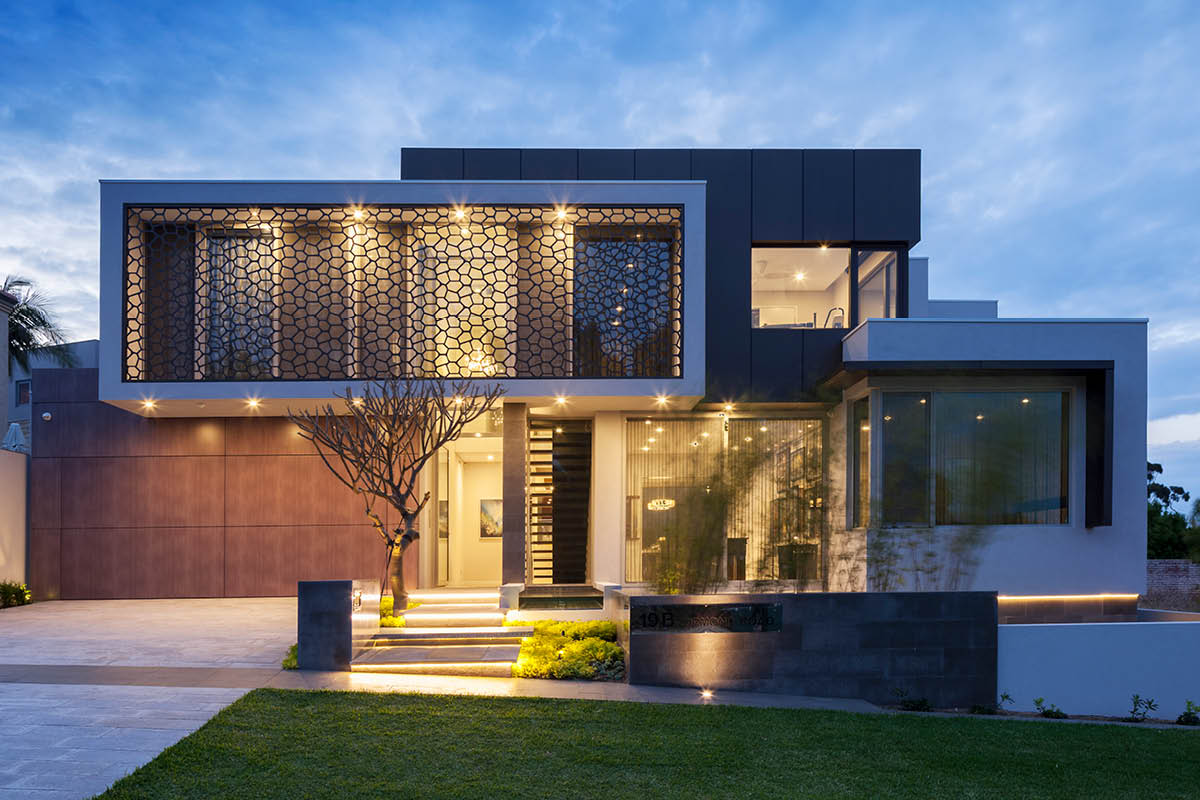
(606,537)
(1093,668)
(1045,559)
(12,516)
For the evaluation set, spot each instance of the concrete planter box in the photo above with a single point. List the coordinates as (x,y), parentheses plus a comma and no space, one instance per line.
(938,645)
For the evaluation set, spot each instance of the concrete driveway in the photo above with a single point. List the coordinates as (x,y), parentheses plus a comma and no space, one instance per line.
(226,632)
(91,690)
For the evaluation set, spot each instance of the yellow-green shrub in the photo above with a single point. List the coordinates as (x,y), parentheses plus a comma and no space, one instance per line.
(570,651)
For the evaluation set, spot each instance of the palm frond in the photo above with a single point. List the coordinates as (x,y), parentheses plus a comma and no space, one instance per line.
(34,325)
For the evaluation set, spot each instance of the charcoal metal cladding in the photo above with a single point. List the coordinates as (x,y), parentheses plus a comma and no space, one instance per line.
(327,293)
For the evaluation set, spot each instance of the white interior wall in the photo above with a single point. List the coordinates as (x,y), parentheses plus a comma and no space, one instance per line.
(474,561)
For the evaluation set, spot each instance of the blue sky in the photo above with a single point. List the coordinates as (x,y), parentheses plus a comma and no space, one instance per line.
(1061,140)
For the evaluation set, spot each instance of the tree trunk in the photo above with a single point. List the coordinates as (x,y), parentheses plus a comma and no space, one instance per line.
(396,566)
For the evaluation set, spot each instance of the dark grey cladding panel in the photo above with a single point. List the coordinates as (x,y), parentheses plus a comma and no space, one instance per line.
(887,196)
(728,232)
(822,355)
(65,385)
(662,165)
(606,165)
(778,195)
(828,195)
(777,366)
(492,164)
(431,164)
(549,165)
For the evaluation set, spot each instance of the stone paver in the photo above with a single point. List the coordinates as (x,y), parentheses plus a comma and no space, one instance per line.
(221,632)
(72,741)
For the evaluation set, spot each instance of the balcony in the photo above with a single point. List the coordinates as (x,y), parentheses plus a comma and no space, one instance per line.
(358,292)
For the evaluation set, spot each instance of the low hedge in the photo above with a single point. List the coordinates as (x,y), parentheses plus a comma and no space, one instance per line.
(387,605)
(570,651)
(14,594)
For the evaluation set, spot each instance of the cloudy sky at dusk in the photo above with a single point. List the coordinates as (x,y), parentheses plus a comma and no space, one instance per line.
(1061,141)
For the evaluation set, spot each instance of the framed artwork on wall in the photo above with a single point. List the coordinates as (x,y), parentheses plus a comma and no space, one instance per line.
(491,519)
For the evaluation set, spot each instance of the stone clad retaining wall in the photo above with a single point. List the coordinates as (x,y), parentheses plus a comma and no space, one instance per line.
(1172,575)
(937,645)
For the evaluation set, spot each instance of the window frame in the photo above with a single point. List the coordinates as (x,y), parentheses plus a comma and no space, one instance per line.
(27,385)
(857,248)
(1076,434)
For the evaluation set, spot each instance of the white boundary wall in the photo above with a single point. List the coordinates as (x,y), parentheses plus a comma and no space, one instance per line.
(1094,668)
(12,516)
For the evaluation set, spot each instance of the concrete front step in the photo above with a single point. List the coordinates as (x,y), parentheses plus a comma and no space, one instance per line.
(453,616)
(469,670)
(442,654)
(424,637)
(456,597)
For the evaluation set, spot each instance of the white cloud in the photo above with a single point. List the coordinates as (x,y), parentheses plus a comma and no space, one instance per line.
(1173,429)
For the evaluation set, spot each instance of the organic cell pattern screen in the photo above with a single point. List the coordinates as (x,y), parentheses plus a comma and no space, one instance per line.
(307,293)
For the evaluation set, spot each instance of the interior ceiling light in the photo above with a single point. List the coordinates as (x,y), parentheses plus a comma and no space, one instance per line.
(661,399)
(729,406)
(561,214)
(560,401)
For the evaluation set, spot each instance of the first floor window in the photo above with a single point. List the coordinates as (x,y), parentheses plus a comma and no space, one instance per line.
(24,393)
(989,458)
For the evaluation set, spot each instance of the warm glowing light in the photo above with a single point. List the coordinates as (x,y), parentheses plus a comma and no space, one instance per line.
(458,401)
(558,430)
(1024,401)
(478,435)
(148,404)
(922,401)
(704,434)
(824,245)
(252,403)
(695,444)
(661,399)
(799,276)
(358,401)
(458,213)
(865,428)
(491,457)
(658,429)
(560,401)
(1101,596)
(729,406)
(647,422)
(979,417)
(645,448)
(706,694)
(465,231)
(763,428)
(358,213)
(561,214)
(887,417)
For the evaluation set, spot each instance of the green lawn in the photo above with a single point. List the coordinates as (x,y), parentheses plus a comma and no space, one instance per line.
(296,744)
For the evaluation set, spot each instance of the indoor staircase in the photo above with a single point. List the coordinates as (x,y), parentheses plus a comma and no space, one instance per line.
(449,633)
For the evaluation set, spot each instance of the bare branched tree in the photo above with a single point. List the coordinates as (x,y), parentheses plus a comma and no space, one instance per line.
(377,442)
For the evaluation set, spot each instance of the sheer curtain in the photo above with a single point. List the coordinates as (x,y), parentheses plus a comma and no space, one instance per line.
(240,334)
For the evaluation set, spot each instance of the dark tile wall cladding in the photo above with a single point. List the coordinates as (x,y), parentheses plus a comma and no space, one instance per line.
(936,645)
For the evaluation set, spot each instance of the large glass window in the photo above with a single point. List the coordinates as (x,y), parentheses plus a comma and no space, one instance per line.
(904,496)
(711,500)
(861,437)
(876,284)
(1001,457)
(990,458)
(800,287)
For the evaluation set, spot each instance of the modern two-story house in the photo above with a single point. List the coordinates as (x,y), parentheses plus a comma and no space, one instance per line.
(665,323)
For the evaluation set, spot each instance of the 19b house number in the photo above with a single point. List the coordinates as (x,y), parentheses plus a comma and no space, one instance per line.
(655,620)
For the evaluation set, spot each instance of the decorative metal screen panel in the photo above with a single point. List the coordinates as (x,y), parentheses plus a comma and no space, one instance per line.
(299,293)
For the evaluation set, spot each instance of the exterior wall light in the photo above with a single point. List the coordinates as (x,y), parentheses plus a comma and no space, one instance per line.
(358,213)
(560,401)
(149,404)
(47,416)
(661,399)
(253,403)
(729,406)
